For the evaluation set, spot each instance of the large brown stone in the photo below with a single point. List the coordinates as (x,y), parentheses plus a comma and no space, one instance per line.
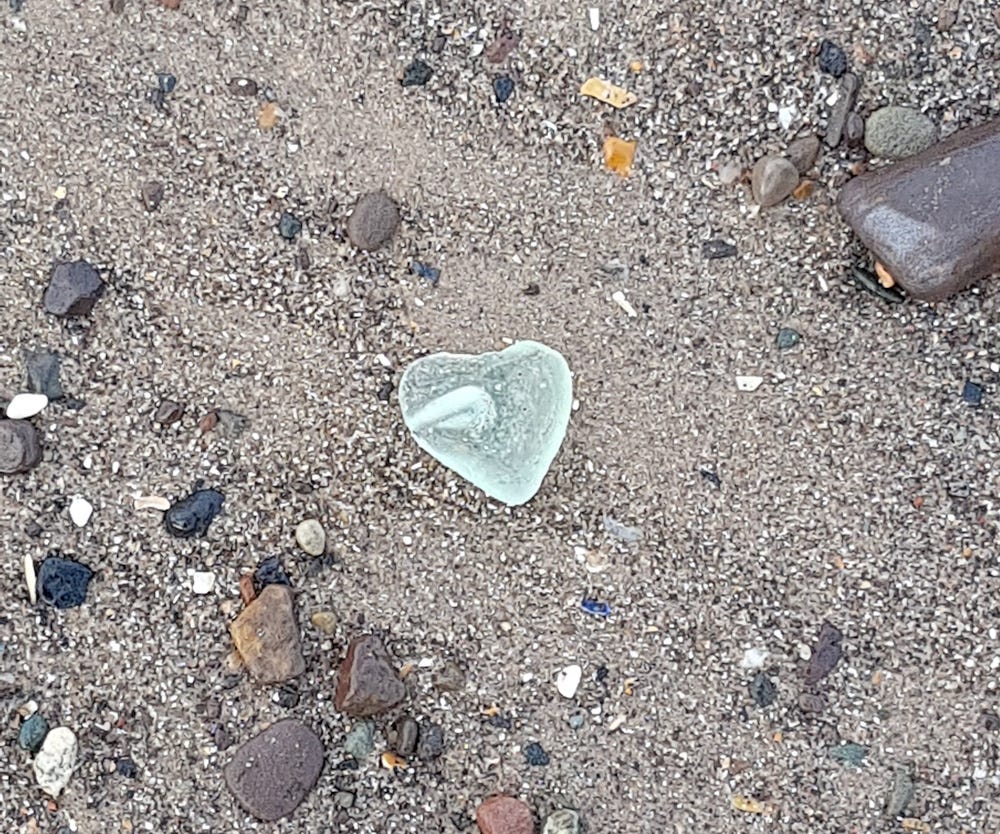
(266,635)
(504,815)
(272,773)
(19,447)
(368,682)
(933,220)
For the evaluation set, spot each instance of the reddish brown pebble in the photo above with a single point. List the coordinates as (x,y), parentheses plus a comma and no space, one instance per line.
(247,592)
(367,683)
(504,815)
(171,4)
(208,422)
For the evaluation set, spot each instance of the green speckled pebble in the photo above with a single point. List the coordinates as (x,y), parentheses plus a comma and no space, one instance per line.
(360,741)
(562,822)
(32,733)
(497,419)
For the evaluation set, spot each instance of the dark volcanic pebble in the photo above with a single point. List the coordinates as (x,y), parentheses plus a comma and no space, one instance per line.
(272,773)
(152,195)
(127,768)
(534,755)
(42,367)
(289,225)
(762,690)
(787,338)
(368,682)
(243,87)
(191,516)
(503,88)
(374,221)
(168,412)
(73,289)
(431,744)
(417,74)
(19,447)
(165,82)
(404,735)
(832,59)
(713,250)
(972,393)
(825,654)
(63,582)
(270,572)
(32,733)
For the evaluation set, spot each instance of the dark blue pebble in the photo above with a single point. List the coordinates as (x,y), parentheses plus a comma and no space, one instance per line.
(832,59)
(535,756)
(501,722)
(503,88)
(191,516)
(63,582)
(592,606)
(972,393)
(166,82)
(32,733)
(289,225)
(269,572)
(430,273)
(127,768)
(417,74)
(762,690)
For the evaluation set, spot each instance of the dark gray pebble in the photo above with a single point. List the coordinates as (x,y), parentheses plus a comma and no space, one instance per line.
(534,755)
(403,736)
(431,744)
(503,88)
(832,59)
(63,583)
(289,226)
(972,393)
(713,250)
(417,74)
(762,690)
(42,367)
(73,289)
(32,733)
(191,516)
(787,338)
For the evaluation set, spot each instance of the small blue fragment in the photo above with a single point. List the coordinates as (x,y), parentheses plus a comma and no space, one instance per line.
(426,271)
(599,609)
(503,88)
(972,393)
(166,82)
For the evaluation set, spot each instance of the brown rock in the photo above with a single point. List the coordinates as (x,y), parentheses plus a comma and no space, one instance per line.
(272,773)
(802,153)
(774,178)
(847,95)
(504,815)
(367,683)
(151,194)
(168,412)
(933,219)
(266,635)
(19,447)
(374,221)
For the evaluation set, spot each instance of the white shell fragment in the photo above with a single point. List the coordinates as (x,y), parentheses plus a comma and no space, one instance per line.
(202,582)
(54,763)
(749,383)
(31,578)
(595,17)
(619,298)
(152,502)
(26,405)
(568,680)
(80,510)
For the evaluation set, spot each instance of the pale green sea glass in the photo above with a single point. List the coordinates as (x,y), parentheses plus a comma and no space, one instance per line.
(497,419)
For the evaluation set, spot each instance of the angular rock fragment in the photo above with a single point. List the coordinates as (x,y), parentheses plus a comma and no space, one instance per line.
(63,583)
(933,220)
(42,367)
(73,289)
(825,654)
(368,682)
(19,447)
(847,95)
(266,635)
(504,815)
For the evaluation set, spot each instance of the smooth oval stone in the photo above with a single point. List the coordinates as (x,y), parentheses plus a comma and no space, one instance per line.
(63,583)
(272,773)
(898,132)
(19,447)
(773,179)
(310,536)
(496,419)
(565,821)
(933,220)
(374,221)
(32,733)
(191,516)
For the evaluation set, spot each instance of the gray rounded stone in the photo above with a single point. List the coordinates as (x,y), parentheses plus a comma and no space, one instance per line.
(802,153)
(565,821)
(374,221)
(774,178)
(311,537)
(19,447)
(897,132)
(272,773)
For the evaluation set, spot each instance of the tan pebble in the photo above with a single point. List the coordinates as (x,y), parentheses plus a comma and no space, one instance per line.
(884,278)
(325,621)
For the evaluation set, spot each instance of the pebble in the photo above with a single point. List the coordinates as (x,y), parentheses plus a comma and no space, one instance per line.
(503,88)
(762,690)
(55,760)
(787,338)
(289,225)
(360,741)
(832,59)
(802,153)
(576,720)
(374,221)
(42,367)
(812,702)
(310,536)
(730,172)
(80,511)
(168,412)
(367,682)
(269,572)
(325,621)
(568,680)
(535,755)
(202,582)
(151,194)
(192,516)
(972,393)
(73,289)
(63,582)
(825,654)
(565,821)
(19,447)
(266,635)
(243,87)
(151,502)
(450,678)
(417,74)
(901,793)
(23,406)
(343,799)
(404,735)
(165,82)
(272,773)
(898,132)
(713,250)
(504,815)
(748,383)
(753,658)
(774,179)
(431,743)
(849,753)
(854,130)
(843,106)
(31,578)
(32,733)
(428,273)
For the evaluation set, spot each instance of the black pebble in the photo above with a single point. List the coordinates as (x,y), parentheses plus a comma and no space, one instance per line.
(426,271)
(417,74)
(289,225)
(713,250)
(33,529)
(601,674)
(127,768)
(832,59)
(165,82)
(385,391)
(535,756)
(288,697)
(762,690)
(191,516)
(347,764)
(972,393)
(431,744)
(403,736)
(500,721)
(503,88)
(787,338)
(269,572)
(63,582)
(43,373)
(711,477)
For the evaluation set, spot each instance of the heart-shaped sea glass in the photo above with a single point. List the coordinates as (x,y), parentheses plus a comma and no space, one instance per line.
(497,419)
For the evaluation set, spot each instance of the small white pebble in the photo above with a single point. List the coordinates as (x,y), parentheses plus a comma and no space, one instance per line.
(30,578)
(595,17)
(26,405)
(619,298)
(60,192)
(804,651)
(202,581)
(754,658)
(786,115)
(749,383)
(310,536)
(568,680)
(152,502)
(616,722)
(80,510)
